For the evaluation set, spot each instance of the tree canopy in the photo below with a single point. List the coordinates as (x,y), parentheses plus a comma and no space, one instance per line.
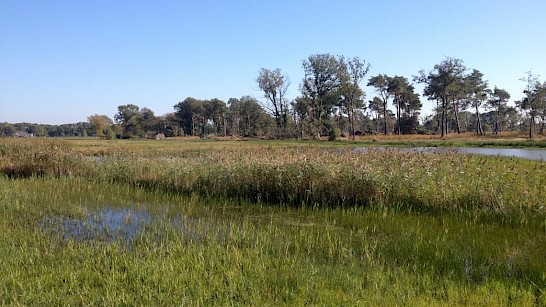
(332,103)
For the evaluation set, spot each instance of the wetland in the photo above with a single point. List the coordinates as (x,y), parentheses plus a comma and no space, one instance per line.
(223,223)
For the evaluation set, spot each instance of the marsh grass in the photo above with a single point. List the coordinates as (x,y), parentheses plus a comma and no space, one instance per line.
(320,177)
(272,225)
(22,158)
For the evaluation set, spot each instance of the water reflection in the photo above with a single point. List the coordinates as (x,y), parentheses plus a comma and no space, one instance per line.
(529,154)
(125,225)
(105,224)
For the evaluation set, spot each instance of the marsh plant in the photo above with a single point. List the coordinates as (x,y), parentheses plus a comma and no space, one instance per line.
(331,178)
(268,225)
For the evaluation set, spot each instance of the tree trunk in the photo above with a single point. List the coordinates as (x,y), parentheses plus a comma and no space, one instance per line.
(398,116)
(444,116)
(531,123)
(385,117)
(443,128)
(438,119)
(277,120)
(352,122)
(457,122)
(247,127)
(479,128)
(353,127)
(497,119)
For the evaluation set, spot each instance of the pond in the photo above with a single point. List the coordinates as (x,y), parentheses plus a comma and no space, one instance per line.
(529,154)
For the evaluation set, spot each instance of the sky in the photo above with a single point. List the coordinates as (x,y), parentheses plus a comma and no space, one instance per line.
(61,61)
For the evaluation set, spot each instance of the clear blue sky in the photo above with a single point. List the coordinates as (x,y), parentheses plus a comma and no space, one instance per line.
(61,61)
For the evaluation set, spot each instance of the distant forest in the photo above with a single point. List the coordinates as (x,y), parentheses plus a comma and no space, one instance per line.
(332,104)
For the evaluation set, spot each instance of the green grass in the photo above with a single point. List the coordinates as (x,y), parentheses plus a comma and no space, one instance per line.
(273,225)
(272,255)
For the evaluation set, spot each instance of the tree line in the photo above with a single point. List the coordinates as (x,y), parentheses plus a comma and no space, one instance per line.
(332,103)
(40,130)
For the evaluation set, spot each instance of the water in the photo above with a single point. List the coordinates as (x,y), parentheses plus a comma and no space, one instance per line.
(529,154)
(105,224)
(125,225)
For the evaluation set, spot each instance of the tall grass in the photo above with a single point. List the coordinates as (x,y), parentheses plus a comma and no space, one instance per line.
(35,157)
(318,177)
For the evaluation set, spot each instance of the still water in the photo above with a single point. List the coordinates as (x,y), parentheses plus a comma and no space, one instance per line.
(125,225)
(529,154)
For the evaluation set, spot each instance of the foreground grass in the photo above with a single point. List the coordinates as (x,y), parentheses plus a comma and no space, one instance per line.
(268,255)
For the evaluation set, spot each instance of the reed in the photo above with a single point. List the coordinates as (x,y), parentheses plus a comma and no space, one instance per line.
(326,178)
(20,158)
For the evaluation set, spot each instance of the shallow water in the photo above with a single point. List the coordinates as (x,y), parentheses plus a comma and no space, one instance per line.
(529,154)
(125,224)
(108,224)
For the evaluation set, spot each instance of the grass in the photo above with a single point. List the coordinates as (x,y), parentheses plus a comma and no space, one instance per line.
(299,225)
(273,255)
(504,139)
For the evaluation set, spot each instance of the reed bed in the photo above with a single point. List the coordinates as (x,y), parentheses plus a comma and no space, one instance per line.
(331,178)
(304,176)
(37,157)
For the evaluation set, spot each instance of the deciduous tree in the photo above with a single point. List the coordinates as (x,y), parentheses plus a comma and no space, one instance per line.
(190,115)
(352,94)
(321,89)
(128,117)
(99,124)
(215,111)
(534,101)
(274,84)
(247,117)
(376,107)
